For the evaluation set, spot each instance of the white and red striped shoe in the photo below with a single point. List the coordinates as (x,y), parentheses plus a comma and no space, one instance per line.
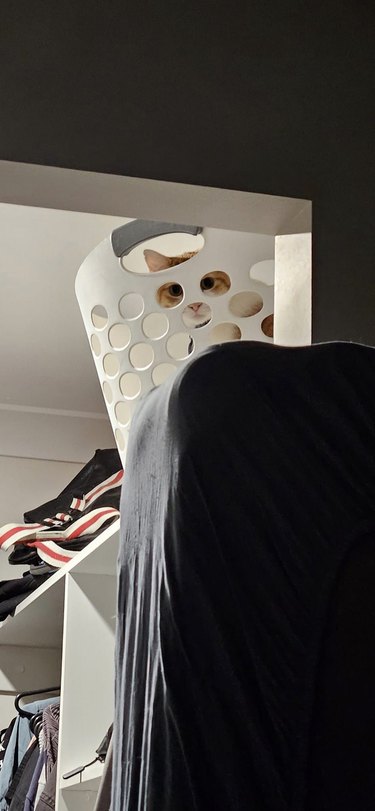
(84,519)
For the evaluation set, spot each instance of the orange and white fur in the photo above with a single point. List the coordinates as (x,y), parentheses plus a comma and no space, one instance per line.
(196,314)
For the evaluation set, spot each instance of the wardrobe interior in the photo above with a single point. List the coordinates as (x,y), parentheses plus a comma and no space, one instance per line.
(53,418)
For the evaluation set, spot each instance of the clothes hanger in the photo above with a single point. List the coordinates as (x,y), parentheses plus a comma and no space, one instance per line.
(35,721)
(101,754)
(26,693)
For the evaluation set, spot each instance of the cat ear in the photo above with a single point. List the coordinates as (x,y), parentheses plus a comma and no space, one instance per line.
(156,261)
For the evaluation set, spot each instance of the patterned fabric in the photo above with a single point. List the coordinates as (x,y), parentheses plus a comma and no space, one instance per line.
(83,520)
(51,720)
(17,746)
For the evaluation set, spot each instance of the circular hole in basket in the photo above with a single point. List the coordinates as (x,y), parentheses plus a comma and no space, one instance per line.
(107,392)
(246,304)
(120,439)
(180,345)
(263,272)
(111,365)
(99,316)
(197,314)
(267,326)
(215,283)
(131,306)
(161,372)
(122,411)
(95,345)
(141,356)
(177,247)
(130,385)
(170,294)
(225,332)
(119,336)
(155,326)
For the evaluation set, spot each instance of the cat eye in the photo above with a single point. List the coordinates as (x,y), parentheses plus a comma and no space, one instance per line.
(207,283)
(175,290)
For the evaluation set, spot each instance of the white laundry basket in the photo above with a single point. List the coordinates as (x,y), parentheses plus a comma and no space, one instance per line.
(136,342)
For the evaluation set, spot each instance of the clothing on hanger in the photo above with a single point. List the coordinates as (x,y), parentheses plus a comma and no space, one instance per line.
(18,742)
(5,737)
(18,788)
(31,794)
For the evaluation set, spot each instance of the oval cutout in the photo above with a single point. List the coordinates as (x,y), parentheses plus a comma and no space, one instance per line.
(171,246)
(123,413)
(141,356)
(107,392)
(225,332)
(99,316)
(111,365)
(180,345)
(195,315)
(130,385)
(120,439)
(215,283)
(155,326)
(263,272)
(119,336)
(170,294)
(131,306)
(246,304)
(161,372)
(267,326)
(95,345)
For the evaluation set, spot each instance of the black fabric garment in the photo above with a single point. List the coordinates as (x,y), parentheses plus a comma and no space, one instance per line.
(103,464)
(12,592)
(248,497)
(18,788)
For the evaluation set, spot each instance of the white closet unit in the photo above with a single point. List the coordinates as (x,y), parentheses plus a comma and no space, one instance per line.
(64,633)
(53,416)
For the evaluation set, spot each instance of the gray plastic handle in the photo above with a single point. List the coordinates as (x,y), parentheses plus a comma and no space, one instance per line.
(125,238)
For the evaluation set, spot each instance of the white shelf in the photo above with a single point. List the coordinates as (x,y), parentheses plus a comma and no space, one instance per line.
(89,780)
(38,620)
(65,632)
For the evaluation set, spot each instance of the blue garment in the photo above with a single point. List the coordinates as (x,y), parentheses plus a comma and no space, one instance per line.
(31,794)
(18,743)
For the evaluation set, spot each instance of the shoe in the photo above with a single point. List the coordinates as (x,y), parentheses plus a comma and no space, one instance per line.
(103,464)
(23,555)
(86,516)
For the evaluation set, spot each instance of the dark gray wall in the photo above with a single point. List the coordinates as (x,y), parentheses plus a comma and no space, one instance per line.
(262,96)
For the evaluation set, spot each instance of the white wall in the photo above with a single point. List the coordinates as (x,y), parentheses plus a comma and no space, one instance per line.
(24,484)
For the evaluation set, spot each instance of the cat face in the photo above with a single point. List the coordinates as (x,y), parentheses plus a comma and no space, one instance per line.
(197,314)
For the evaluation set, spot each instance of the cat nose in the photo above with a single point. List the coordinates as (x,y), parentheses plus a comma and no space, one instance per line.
(196,306)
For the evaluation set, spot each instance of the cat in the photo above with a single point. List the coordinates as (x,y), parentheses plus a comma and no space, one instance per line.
(197,314)
(216,283)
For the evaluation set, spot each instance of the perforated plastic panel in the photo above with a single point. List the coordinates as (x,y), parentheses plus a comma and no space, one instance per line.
(136,341)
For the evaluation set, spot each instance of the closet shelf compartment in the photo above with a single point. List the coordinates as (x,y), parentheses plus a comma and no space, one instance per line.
(38,620)
(89,780)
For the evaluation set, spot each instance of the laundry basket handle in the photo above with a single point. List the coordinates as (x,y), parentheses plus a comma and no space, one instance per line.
(125,238)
